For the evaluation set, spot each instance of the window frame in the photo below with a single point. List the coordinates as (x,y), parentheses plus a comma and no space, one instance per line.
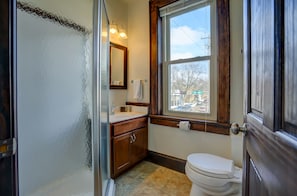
(222,123)
(166,44)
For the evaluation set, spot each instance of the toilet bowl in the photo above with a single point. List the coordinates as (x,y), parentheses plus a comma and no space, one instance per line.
(213,175)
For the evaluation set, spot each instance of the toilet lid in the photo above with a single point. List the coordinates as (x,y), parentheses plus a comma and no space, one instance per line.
(211,165)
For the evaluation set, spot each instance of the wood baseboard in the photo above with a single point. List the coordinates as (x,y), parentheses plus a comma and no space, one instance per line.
(167,161)
(137,103)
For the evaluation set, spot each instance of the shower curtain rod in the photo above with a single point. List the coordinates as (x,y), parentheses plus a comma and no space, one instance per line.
(50,16)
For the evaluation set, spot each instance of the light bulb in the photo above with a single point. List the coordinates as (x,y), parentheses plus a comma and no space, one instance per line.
(123,34)
(113,29)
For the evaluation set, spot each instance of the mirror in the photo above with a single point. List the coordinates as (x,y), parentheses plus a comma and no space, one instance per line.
(118,66)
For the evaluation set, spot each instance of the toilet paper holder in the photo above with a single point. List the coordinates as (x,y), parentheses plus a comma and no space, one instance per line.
(184,125)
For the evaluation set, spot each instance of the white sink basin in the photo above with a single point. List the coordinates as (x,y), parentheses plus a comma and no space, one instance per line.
(121,116)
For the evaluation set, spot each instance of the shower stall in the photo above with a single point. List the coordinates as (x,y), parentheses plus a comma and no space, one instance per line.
(62,97)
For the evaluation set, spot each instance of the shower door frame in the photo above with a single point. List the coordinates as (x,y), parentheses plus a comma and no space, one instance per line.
(98,99)
(8,163)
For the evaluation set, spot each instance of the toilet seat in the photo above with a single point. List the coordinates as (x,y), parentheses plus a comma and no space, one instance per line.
(211,165)
(213,175)
(207,180)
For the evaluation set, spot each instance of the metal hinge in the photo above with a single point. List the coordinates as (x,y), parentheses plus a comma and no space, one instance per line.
(7,147)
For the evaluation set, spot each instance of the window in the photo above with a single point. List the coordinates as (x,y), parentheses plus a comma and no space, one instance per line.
(193,86)
(189,66)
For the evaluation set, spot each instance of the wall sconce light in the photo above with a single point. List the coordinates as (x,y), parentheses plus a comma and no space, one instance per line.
(123,34)
(113,29)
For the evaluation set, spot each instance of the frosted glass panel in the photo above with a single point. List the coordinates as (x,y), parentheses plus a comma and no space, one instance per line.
(54,98)
(104,73)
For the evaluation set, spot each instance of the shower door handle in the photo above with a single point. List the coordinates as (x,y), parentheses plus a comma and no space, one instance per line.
(7,147)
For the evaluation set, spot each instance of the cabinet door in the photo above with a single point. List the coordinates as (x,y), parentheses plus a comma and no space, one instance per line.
(139,146)
(121,153)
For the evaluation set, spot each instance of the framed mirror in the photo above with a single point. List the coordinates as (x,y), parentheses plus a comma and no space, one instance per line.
(118,66)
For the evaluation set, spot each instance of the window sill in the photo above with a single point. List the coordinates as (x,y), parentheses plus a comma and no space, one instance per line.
(198,125)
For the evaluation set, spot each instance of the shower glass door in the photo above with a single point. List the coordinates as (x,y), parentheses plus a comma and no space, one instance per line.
(104,100)
(55,99)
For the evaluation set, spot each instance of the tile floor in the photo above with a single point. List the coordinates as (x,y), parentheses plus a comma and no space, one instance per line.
(149,179)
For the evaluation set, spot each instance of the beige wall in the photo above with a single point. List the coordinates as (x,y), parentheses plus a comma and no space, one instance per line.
(138,44)
(236,97)
(172,141)
(118,13)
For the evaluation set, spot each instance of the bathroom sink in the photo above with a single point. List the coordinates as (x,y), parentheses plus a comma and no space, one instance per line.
(121,116)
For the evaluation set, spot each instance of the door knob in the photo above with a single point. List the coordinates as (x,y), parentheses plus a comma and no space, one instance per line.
(235,128)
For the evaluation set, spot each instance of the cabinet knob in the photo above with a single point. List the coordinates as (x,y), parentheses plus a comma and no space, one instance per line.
(134,136)
(131,139)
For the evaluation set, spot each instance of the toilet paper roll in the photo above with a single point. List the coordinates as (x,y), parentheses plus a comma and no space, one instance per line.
(184,125)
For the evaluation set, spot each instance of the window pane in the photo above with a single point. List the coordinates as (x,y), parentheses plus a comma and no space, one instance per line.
(189,87)
(190,34)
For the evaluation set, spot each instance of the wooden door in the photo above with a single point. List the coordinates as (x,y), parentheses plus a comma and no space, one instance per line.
(270,145)
(121,153)
(139,146)
(8,158)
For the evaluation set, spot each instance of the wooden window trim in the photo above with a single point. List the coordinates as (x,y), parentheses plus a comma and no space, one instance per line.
(221,125)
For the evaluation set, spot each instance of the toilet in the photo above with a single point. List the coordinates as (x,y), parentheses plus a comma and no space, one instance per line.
(213,175)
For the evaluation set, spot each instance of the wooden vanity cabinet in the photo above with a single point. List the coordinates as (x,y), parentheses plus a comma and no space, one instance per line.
(129,141)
